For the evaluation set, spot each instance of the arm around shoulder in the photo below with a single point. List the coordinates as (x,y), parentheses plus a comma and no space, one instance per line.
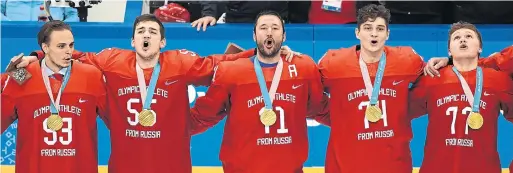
(99,60)
(99,89)
(417,98)
(210,109)
(506,96)
(502,61)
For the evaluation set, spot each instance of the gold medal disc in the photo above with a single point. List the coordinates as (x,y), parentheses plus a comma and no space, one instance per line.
(146,118)
(373,113)
(54,122)
(475,120)
(268,117)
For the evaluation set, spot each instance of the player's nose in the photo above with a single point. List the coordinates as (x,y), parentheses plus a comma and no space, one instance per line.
(68,50)
(146,34)
(374,33)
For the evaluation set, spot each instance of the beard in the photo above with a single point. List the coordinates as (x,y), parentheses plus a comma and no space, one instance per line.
(148,56)
(274,51)
(60,64)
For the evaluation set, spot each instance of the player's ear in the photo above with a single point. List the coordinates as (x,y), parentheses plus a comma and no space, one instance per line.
(480,50)
(254,37)
(163,43)
(45,47)
(133,42)
(388,34)
(284,37)
(356,32)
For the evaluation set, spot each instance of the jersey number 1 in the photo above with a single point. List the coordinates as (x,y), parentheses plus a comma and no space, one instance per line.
(282,128)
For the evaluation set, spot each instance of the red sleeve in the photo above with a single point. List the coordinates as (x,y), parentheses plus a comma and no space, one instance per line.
(323,116)
(209,109)
(5,76)
(506,98)
(414,63)
(324,63)
(102,107)
(8,112)
(502,61)
(8,109)
(40,54)
(418,62)
(96,59)
(417,105)
(318,107)
(200,70)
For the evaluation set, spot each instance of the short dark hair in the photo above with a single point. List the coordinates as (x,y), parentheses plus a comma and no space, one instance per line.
(151,18)
(44,33)
(272,13)
(463,25)
(372,12)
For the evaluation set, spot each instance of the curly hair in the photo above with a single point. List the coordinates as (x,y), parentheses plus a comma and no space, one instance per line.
(372,12)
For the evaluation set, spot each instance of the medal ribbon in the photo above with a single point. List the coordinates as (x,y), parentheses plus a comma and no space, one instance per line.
(147,94)
(473,100)
(373,92)
(54,103)
(268,100)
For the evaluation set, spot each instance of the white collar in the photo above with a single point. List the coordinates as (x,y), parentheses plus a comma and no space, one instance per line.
(50,72)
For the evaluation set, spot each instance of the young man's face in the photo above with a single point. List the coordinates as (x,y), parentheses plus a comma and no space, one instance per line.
(269,35)
(464,44)
(373,34)
(60,47)
(147,39)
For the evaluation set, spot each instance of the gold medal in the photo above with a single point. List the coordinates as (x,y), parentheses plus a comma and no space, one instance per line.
(146,118)
(373,113)
(54,122)
(475,120)
(268,117)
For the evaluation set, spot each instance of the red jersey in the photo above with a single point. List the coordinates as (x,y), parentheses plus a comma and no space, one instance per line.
(502,61)
(70,149)
(165,146)
(356,144)
(451,145)
(4,78)
(248,145)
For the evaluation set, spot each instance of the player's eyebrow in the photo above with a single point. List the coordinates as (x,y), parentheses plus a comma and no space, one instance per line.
(263,24)
(66,43)
(468,32)
(63,43)
(455,34)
